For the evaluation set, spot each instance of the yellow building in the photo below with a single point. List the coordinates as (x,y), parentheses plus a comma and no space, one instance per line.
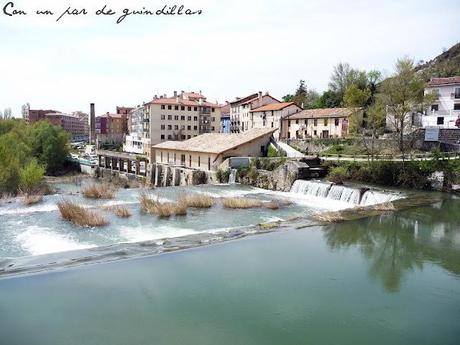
(180,117)
(317,123)
(208,151)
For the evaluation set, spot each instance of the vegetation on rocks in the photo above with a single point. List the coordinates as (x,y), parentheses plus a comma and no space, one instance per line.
(223,175)
(99,191)
(79,215)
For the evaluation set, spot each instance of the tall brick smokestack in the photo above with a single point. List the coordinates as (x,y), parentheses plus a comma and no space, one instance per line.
(92,124)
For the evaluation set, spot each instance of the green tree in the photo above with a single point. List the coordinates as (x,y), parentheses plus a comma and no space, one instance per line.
(31,177)
(401,95)
(303,97)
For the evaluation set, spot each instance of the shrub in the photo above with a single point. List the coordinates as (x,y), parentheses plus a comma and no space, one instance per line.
(98,191)
(242,203)
(79,215)
(28,199)
(31,177)
(121,212)
(198,200)
(338,174)
(222,175)
(164,210)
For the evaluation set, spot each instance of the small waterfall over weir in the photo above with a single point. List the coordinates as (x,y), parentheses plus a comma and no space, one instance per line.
(353,196)
(232,176)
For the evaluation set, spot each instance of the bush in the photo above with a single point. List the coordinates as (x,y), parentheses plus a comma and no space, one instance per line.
(31,177)
(79,215)
(98,191)
(223,175)
(121,212)
(198,200)
(163,210)
(338,174)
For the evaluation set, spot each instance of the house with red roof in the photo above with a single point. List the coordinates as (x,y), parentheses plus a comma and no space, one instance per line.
(271,115)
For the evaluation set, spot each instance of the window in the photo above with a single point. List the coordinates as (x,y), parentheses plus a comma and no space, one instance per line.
(213,119)
(182,108)
(457,92)
(296,122)
(315,123)
(195,118)
(199,161)
(176,127)
(212,128)
(325,122)
(176,117)
(189,118)
(174,158)
(182,118)
(434,107)
(315,133)
(209,163)
(183,137)
(169,127)
(213,109)
(163,106)
(168,157)
(161,154)
(457,106)
(162,138)
(176,107)
(272,124)
(440,120)
(169,107)
(289,123)
(190,161)
(336,122)
(163,127)
(195,128)
(169,138)
(195,108)
(169,117)
(182,127)
(163,117)
(189,108)
(189,128)
(189,136)
(306,122)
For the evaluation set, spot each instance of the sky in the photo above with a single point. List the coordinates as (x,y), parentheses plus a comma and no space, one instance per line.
(232,49)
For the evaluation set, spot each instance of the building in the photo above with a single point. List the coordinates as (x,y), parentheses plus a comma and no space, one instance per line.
(445,110)
(111,128)
(180,117)
(317,123)
(73,124)
(37,115)
(270,115)
(225,118)
(135,141)
(124,110)
(208,151)
(240,110)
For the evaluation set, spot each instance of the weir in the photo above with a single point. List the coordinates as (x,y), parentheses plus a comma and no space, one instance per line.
(349,195)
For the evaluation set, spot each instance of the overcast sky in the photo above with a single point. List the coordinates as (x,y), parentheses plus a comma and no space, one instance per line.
(234,48)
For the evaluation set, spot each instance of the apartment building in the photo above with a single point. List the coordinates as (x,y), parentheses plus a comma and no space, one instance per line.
(240,110)
(111,128)
(271,115)
(444,112)
(225,118)
(317,123)
(135,142)
(180,117)
(32,115)
(73,124)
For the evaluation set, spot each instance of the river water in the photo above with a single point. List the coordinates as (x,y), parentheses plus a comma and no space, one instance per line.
(388,279)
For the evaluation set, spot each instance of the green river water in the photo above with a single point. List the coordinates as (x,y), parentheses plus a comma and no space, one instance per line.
(389,279)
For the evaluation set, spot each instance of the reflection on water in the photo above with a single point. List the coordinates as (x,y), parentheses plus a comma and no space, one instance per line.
(397,243)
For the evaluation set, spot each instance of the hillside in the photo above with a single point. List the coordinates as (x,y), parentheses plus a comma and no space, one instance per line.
(446,64)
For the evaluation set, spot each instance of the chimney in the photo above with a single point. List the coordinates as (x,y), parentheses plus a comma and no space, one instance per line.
(92,124)
(175,93)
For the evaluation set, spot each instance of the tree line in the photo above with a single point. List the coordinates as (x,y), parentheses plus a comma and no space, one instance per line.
(28,152)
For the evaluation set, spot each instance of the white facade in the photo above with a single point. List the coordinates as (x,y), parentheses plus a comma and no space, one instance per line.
(445,110)
(135,141)
(240,111)
(270,116)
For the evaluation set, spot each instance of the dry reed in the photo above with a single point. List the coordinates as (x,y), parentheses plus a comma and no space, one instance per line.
(162,209)
(31,199)
(197,200)
(242,203)
(98,191)
(121,212)
(329,217)
(79,215)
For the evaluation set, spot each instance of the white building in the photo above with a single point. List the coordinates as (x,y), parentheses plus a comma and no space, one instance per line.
(271,115)
(445,110)
(240,110)
(135,141)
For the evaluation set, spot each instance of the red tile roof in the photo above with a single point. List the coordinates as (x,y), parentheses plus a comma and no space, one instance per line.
(322,113)
(444,81)
(274,106)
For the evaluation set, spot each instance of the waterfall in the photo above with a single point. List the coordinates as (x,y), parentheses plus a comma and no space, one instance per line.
(343,194)
(232,176)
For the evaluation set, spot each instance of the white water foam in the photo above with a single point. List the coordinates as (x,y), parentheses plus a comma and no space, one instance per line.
(141,233)
(39,240)
(20,209)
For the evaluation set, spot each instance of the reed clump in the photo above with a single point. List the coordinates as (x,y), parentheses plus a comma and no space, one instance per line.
(32,199)
(241,203)
(121,211)
(79,215)
(162,209)
(197,200)
(98,191)
(386,206)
